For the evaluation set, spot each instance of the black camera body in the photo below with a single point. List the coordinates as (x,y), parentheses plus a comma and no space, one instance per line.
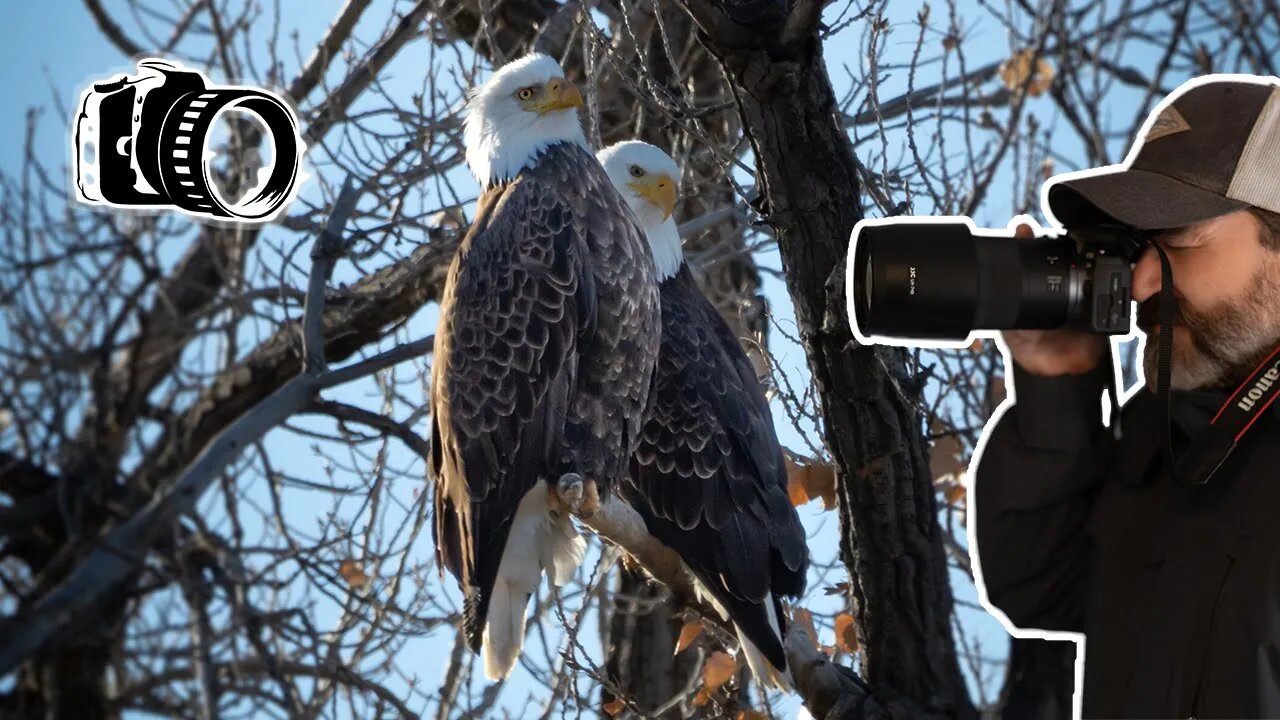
(938,279)
(129,114)
(142,142)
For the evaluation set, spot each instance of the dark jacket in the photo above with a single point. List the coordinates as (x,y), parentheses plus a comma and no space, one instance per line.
(1176,586)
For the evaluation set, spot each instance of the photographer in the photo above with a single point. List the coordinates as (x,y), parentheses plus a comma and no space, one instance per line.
(1173,579)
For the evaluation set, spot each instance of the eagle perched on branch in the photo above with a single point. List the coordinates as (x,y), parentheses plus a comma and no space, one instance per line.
(544,354)
(709,479)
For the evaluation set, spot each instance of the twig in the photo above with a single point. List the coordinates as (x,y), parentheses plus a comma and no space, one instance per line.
(327,49)
(351,413)
(328,247)
(111,29)
(711,219)
(332,108)
(369,366)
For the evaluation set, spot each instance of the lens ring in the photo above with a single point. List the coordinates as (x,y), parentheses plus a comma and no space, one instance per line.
(186,133)
(868,281)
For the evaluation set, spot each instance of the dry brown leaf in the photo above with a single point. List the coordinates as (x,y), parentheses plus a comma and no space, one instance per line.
(750,715)
(822,483)
(837,589)
(804,619)
(955,494)
(614,707)
(795,487)
(846,633)
(815,480)
(351,571)
(688,633)
(701,698)
(1018,70)
(976,345)
(717,670)
(1043,79)
(1014,70)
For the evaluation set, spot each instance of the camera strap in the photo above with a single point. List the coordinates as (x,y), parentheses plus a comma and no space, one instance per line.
(1236,416)
(1164,355)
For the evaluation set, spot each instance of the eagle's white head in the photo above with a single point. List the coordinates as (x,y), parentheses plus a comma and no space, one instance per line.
(525,107)
(647,178)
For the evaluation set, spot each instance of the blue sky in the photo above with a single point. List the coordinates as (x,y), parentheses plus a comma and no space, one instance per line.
(53,50)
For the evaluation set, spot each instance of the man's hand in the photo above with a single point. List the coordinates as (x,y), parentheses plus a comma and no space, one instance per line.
(1054,352)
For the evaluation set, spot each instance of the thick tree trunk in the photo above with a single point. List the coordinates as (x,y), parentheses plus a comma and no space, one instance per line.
(806,173)
(69,681)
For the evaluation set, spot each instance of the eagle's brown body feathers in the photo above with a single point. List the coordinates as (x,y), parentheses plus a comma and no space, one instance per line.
(709,478)
(548,334)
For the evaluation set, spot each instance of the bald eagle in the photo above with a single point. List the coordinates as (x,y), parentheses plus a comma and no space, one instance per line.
(544,353)
(709,479)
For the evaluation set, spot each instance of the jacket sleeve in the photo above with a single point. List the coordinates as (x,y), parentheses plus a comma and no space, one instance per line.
(1033,486)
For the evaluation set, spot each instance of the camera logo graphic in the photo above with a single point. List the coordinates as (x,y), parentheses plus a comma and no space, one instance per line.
(143,142)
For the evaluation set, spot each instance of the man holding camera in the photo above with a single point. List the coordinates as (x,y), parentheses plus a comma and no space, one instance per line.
(1161,545)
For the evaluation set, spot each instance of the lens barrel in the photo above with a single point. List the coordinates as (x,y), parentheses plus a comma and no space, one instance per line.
(939,281)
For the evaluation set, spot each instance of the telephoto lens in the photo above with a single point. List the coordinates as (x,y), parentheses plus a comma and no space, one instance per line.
(940,281)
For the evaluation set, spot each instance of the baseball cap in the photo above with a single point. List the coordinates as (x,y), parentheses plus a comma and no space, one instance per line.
(1210,148)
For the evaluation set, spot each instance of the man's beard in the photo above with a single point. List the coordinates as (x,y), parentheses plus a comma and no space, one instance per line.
(1227,341)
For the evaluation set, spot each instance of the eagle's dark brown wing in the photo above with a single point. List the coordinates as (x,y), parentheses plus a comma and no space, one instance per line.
(709,477)
(616,367)
(517,302)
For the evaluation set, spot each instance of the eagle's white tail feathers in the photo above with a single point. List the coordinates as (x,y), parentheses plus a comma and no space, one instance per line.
(567,550)
(504,629)
(537,542)
(766,674)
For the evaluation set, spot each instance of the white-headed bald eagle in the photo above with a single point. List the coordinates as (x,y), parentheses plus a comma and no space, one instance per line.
(548,334)
(709,478)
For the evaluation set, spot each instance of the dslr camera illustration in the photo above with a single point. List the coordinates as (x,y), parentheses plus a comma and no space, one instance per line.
(143,142)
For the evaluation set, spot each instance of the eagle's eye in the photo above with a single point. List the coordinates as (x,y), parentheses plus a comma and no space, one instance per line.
(525,93)
(636,171)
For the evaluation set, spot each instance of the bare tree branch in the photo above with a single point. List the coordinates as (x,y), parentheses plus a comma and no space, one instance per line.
(113,31)
(118,553)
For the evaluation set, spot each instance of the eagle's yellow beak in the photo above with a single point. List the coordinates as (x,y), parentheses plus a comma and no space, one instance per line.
(561,95)
(659,190)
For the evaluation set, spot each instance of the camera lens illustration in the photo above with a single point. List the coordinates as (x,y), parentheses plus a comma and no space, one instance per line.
(143,142)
